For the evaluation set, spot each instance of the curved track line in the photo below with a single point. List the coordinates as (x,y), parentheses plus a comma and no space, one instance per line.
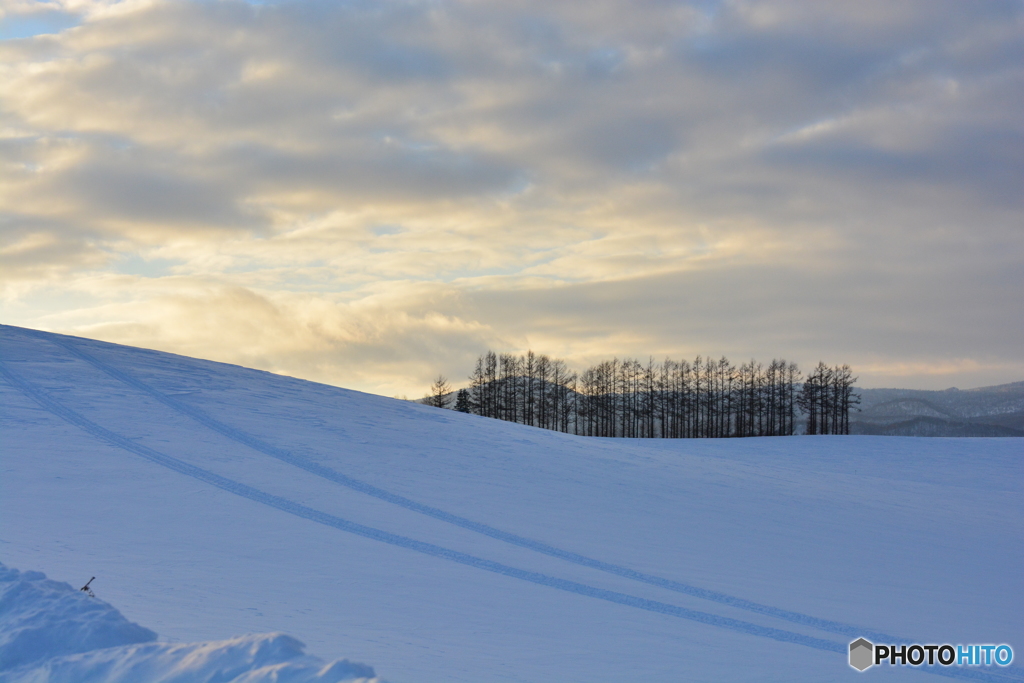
(514,539)
(302,511)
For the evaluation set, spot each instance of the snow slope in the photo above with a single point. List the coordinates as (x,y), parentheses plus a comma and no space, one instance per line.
(211,500)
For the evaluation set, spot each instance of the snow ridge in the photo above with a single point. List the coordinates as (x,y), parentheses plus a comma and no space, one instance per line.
(40,619)
(52,633)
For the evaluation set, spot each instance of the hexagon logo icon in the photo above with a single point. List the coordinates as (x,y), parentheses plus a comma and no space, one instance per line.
(862,654)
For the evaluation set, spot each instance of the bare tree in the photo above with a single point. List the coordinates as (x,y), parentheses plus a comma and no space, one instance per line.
(440,393)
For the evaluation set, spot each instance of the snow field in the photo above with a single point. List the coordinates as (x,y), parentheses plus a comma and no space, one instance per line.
(740,541)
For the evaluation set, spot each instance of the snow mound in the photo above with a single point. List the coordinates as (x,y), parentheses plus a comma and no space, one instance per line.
(263,658)
(40,619)
(52,633)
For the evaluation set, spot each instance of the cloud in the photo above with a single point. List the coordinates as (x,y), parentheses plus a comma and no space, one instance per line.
(366,193)
(385,342)
(395,338)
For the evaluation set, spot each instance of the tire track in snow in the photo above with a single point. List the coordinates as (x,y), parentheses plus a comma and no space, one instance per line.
(297,509)
(507,537)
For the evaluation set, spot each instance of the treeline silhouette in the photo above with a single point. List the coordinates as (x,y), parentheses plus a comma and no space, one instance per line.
(704,398)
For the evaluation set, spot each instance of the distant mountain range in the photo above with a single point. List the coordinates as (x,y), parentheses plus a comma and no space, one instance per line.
(986,411)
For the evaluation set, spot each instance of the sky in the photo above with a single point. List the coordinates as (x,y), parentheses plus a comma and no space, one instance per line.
(370,193)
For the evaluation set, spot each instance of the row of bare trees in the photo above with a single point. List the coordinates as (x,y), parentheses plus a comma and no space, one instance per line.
(529,389)
(672,399)
(827,397)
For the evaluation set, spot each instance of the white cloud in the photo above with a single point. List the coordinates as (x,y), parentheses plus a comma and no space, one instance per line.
(366,193)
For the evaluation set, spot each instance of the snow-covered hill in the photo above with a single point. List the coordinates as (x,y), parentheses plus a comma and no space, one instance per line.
(212,501)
